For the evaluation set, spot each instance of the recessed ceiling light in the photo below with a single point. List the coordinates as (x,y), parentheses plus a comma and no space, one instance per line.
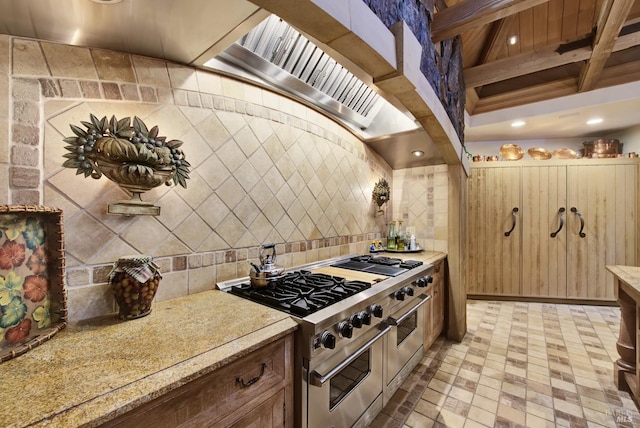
(417,153)
(517,123)
(594,121)
(513,40)
(106,1)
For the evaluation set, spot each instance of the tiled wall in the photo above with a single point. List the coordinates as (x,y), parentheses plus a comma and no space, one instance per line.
(420,200)
(265,169)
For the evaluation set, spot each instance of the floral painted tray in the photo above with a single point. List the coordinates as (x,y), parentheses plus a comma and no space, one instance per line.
(33,299)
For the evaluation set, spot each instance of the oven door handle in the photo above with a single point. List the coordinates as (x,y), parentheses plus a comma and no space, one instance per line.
(394,321)
(319,379)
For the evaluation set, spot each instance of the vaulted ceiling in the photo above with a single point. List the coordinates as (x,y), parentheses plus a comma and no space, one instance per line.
(561,48)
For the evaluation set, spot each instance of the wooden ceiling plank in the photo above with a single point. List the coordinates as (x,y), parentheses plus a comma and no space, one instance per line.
(473,13)
(496,43)
(586,17)
(554,25)
(515,28)
(527,32)
(540,25)
(635,11)
(527,63)
(570,20)
(611,19)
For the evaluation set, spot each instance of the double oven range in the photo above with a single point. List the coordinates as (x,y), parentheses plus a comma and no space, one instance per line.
(361,332)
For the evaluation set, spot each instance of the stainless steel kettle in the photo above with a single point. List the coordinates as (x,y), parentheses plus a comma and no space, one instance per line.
(268,269)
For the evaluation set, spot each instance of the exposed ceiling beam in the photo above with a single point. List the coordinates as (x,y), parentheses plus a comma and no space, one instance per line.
(613,15)
(497,41)
(616,75)
(530,94)
(469,14)
(493,48)
(528,63)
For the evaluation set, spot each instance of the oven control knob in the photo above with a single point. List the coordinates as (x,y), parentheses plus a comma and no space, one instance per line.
(424,281)
(365,317)
(356,321)
(399,295)
(345,329)
(328,340)
(376,310)
(408,291)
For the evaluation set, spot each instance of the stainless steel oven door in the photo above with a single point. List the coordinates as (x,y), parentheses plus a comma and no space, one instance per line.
(341,390)
(406,336)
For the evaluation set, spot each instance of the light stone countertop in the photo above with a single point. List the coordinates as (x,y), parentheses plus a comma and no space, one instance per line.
(95,370)
(425,256)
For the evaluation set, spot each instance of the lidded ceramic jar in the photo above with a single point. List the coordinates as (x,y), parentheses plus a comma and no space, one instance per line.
(134,281)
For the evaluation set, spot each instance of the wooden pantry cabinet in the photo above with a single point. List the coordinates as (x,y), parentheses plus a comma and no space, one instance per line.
(546,229)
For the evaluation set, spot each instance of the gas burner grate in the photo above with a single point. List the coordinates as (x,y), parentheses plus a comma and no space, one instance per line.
(410,264)
(301,293)
(386,261)
(380,260)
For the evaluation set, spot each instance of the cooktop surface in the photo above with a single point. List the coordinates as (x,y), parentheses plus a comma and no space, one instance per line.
(301,292)
(380,265)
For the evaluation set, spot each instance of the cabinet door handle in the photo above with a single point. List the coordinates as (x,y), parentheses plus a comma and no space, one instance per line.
(560,212)
(513,226)
(252,380)
(576,212)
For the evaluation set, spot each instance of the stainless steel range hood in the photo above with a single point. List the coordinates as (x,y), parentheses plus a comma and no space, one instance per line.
(191,32)
(276,54)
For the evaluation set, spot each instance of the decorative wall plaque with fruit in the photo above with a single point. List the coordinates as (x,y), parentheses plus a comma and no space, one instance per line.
(129,154)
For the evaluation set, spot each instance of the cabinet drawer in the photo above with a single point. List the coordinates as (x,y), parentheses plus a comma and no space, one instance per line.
(218,394)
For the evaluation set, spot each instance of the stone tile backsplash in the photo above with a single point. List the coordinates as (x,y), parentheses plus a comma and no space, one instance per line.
(420,200)
(265,169)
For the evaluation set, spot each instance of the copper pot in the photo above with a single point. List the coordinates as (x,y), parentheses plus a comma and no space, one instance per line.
(602,148)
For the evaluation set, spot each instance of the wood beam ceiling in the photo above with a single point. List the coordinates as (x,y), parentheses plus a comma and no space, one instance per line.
(544,59)
(469,14)
(611,19)
(617,75)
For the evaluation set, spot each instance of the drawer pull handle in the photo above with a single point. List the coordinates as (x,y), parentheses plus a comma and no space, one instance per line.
(253,380)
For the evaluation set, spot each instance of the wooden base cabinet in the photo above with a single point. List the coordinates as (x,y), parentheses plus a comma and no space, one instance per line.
(434,307)
(572,219)
(255,390)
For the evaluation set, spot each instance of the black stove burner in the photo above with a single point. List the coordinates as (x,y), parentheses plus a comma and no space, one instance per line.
(377,265)
(410,264)
(380,260)
(301,292)
(386,261)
